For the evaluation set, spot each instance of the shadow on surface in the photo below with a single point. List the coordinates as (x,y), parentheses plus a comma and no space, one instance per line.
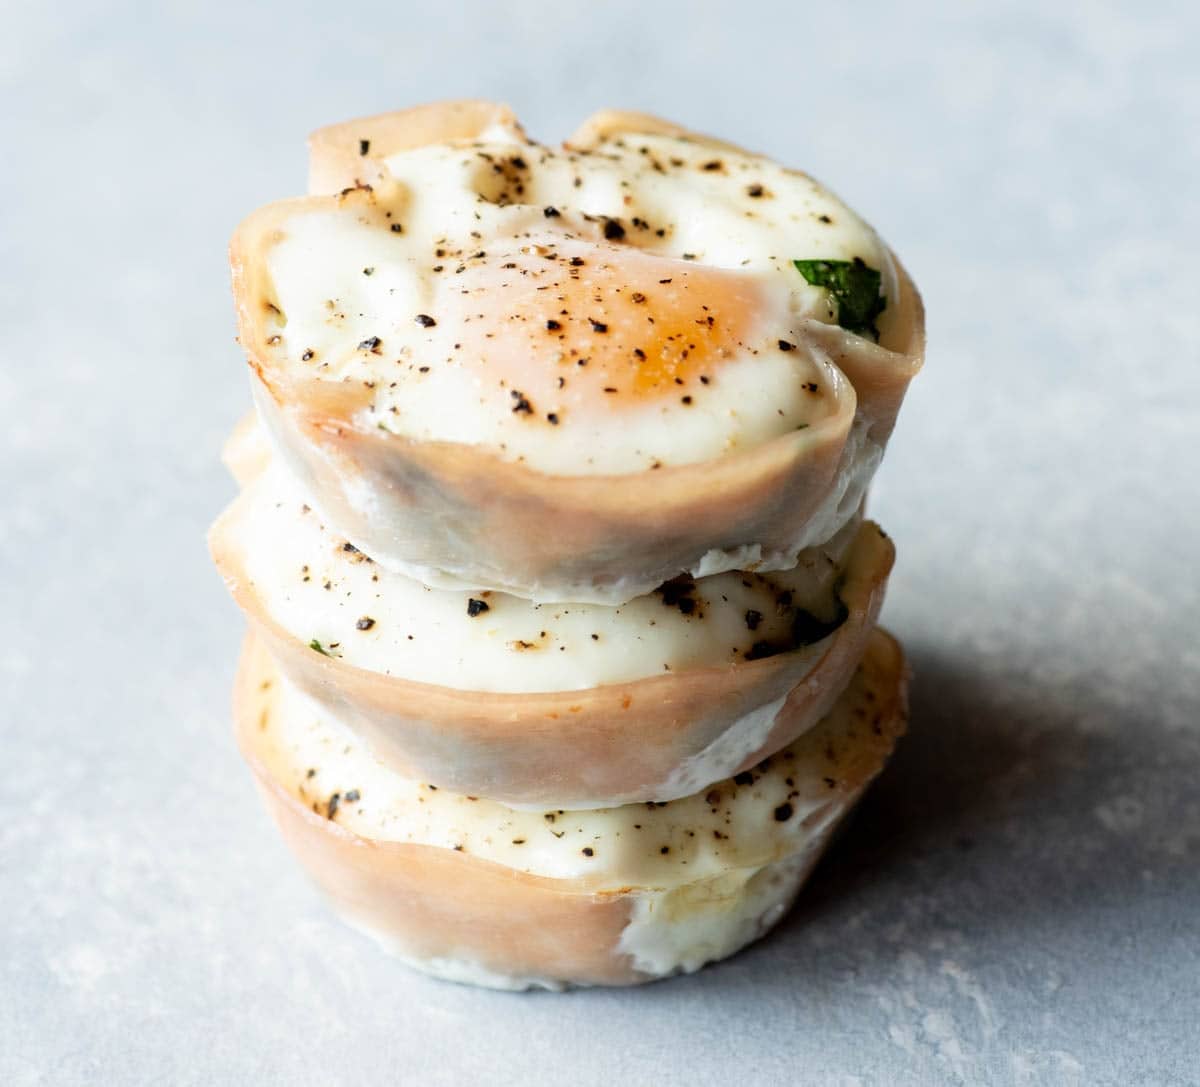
(1010,797)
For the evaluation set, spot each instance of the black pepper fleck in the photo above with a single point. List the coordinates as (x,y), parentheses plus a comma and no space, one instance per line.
(613,230)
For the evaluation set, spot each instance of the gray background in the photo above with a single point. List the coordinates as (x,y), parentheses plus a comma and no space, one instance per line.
(1019,899)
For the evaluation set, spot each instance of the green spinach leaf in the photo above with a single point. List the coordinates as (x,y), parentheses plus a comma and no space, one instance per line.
(855,286)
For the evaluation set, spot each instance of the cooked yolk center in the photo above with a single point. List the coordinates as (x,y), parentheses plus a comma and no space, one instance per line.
(608,322)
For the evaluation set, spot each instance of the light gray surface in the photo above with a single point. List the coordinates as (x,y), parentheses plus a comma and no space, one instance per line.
(1019,900)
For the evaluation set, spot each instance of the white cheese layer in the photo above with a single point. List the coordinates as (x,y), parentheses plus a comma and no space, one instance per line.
(779,809)
(680,930)
(583,313)
(326,593)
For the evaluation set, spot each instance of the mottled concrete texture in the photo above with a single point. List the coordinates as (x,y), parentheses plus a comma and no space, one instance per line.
(1018,901)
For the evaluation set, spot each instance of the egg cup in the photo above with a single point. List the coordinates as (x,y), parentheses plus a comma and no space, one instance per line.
(460,514)
(512,924)
(654,737)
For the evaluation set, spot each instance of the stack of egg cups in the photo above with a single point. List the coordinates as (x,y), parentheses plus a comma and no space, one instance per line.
(561,672)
